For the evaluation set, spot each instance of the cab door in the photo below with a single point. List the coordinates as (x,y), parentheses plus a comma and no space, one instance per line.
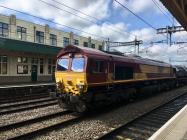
(98,71)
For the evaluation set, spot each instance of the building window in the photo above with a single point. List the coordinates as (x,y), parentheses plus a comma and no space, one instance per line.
(3,29)
(41,65)
(3,64)
(85,44)
(66,41)
(51,66)
(76,42)
(93,46)
(39,37)
(35,61)
(22,67)
(21,32)
(22,60)
(53,40)
(100,47)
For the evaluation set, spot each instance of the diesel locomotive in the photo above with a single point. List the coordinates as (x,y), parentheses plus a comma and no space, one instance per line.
(85,77)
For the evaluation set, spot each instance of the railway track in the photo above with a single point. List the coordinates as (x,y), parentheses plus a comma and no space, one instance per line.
(44,125)
(142,127)
(32,120)
(22,103)
(25,105)
(12,99)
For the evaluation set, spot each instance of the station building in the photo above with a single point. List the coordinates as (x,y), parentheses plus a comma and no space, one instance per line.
(28,50)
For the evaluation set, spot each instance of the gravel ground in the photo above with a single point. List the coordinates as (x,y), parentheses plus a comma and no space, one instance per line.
(34,126)
(93,127)
(25,115)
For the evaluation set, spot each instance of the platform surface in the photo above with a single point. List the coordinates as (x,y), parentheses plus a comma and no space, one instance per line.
(26,85)
(174,129)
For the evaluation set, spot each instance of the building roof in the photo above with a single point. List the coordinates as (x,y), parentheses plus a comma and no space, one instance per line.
(23,46)
(179,10)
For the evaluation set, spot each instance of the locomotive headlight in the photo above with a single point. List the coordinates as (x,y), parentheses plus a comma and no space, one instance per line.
(80,87)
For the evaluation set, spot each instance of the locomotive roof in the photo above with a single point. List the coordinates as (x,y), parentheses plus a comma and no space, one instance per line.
(74,48)
(89,51)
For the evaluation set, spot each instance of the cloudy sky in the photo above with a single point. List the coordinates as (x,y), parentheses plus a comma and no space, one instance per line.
(104,19)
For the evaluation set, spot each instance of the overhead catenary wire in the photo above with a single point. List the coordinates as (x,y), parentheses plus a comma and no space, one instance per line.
(98,20)
(143,20)
(86,19)
(167,12)
(162,11)
(75,10)
(50,21)
(49,4)
(92,17)
(139,17)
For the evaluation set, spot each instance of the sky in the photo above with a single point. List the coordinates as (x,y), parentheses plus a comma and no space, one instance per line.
(103,19)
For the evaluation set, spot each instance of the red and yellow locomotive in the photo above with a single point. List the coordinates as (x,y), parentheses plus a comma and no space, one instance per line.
(85,76)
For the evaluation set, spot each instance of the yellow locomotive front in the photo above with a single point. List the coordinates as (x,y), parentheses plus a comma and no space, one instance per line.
(70,75)
(71,81)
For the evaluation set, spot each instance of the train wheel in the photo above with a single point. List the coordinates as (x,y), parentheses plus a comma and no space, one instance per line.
(159,89)
(62,104)
(80,107)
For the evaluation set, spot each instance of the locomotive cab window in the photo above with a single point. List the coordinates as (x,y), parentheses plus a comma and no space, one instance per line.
(77,65)
(123,73)
(62,64)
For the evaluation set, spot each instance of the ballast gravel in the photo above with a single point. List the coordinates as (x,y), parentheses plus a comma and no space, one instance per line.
(35,126)
(28,114)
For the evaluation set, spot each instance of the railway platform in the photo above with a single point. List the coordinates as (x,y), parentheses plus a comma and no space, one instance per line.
(25,91)
(174,129)
(19,85)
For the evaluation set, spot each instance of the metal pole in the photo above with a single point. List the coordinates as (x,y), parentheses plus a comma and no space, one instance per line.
(170,39)
(138,49)
(108,45)
(167,35)
(135,41)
